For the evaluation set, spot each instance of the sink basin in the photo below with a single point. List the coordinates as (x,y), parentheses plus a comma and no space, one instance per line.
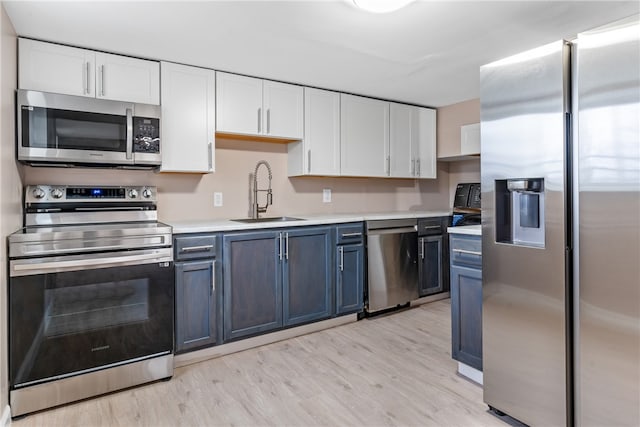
(267,219)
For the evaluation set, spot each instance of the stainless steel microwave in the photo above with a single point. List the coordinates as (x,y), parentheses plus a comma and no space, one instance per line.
(63,130)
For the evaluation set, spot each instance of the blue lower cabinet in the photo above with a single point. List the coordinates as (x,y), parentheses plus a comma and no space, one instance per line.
(276,278)
(307,267)
(466,315)
(196,304)
(252,283)
(349,279)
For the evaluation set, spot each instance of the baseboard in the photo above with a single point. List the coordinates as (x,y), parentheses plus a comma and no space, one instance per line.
(430,298)
(6,416)
(471,373)
(270,338)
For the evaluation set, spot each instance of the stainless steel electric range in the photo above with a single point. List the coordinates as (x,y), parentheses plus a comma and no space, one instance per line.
(91,295)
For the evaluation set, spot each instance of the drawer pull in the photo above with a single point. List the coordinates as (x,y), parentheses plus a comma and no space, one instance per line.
(431,227)
(465,252)
(351,234)
(202,248)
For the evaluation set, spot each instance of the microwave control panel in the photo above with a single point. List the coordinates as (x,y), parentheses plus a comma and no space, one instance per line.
(146,135)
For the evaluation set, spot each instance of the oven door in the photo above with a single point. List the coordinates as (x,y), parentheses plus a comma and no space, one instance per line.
(74,314)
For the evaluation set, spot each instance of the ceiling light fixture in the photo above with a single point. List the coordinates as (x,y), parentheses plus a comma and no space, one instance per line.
(381,6)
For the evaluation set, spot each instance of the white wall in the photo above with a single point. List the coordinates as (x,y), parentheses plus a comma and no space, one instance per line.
(10,182)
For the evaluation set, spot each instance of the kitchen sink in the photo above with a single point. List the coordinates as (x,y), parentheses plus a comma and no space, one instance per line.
(267,219)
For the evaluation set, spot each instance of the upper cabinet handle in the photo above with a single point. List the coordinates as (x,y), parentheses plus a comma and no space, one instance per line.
(268,120)
(259,120)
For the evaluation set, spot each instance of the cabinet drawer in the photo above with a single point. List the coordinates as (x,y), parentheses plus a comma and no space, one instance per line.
(192,247)
(349,233)
(430,226)
(466,250)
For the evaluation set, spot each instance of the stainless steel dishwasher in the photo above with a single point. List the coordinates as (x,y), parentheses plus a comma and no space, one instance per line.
(392,258)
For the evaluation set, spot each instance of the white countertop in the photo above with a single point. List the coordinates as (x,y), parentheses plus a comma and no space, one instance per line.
(210,226)
(473,230)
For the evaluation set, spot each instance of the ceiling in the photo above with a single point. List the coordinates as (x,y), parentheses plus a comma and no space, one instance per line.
(427,53)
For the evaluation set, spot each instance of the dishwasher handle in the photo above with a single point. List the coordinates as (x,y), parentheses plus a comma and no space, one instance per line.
(399,230)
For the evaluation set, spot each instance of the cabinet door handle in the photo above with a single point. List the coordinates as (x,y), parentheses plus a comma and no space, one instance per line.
(308,161)
(465,252)
(259,120)
(351,234)
(280,246)
(413,167)
(417,167)
(213,277)
(286,246)
(203,248)
(268,120)
(210,156)
(422,248)
(341,258)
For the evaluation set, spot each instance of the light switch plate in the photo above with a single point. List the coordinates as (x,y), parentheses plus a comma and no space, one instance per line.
(326,195)
(217,199)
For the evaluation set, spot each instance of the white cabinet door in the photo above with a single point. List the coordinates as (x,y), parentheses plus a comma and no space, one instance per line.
(426,143)
(282,110)
(188,119)
(127,79)
(470,139)
(319,152)
(402,140)
(55,68)
(238,104)
(364,136)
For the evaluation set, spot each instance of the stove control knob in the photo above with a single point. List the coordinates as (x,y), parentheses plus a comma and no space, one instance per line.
(56,193)
(133,193)
(38,193)
(147,193)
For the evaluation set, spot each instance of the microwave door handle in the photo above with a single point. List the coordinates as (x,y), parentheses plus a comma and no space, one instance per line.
(129,134)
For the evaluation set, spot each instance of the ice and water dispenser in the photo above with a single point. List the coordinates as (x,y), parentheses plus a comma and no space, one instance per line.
(520,211)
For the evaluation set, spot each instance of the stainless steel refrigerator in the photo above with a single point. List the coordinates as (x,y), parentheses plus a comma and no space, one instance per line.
(561,230)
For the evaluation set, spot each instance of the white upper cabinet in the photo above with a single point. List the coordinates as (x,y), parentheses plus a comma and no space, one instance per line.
(319,152)
(412,142)
(238,104)
(55,68)
(250,106)
(402,141)
(283,110)
(425,152)
(188,119)
(364,136)
(470,139)
(50,67)
(127,79)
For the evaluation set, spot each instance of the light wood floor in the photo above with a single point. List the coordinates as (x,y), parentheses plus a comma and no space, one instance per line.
(394,370)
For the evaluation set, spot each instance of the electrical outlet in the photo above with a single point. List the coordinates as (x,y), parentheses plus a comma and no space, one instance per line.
(326,195)
(217,199)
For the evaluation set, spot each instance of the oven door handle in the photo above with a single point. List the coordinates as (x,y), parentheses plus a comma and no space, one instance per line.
(90,263)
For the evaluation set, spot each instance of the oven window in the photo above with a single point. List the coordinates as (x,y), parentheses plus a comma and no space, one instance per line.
(63,323)
(73,130)
(89,307)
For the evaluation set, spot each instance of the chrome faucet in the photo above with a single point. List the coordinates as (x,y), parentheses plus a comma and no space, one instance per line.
(257,209)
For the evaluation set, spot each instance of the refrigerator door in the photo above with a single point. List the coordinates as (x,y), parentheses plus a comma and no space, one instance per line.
(523,111)
(608,244)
